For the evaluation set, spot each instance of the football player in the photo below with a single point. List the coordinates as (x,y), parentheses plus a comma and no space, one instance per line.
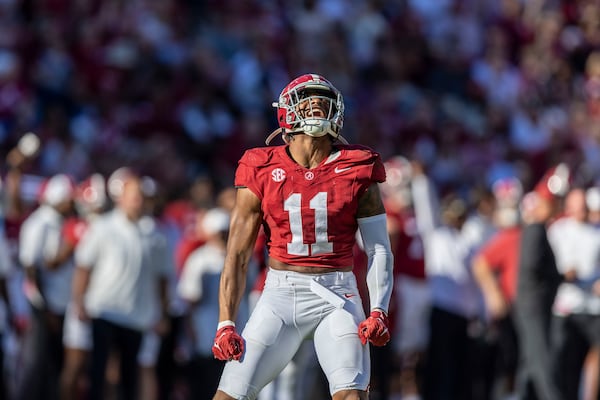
(311,194)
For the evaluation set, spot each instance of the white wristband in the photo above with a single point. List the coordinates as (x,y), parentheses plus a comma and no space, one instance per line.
(225,323)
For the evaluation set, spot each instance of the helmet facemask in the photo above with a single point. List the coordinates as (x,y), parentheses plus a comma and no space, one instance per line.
(314,108)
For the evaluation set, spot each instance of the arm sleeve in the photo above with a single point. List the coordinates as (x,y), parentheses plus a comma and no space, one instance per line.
(380,278)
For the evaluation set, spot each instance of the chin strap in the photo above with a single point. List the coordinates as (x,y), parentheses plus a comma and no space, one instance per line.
(278,131)
(281,131)
(342,139)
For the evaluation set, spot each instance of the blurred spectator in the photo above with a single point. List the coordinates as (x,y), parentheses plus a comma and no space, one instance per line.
(186,212)
(411,295)
(168,361)
(575,327)
(495,74)
(538,281)
(199,286)
(150,348)
(48,274)
(477,229)
(480,225)
(454,294)
(120,301)
(495,267)
(592,84)
(90,201)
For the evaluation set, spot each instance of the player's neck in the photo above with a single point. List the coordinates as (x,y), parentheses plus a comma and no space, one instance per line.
(308,151)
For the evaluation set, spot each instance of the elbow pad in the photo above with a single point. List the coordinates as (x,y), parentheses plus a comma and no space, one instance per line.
(380,277)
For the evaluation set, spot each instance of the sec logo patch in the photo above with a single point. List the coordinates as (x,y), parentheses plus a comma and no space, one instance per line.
(278,175)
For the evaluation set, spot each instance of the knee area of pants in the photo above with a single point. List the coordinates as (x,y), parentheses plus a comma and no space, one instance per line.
(347,379)
(238,390)
(353,395)
(227,396)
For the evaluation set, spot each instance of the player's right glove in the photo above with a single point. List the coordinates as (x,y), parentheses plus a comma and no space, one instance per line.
(228,345)
(374,329)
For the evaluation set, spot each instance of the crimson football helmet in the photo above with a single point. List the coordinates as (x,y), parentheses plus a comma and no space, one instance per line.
(311,105)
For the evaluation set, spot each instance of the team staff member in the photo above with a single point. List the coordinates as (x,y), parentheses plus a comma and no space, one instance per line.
(576,309)
(90,202)
(311,195)
(495,268)
(537,283)
(48,274)
(121,264)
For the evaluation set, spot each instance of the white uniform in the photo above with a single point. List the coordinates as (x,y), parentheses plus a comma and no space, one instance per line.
(126,259)
(576,245)
(39,240)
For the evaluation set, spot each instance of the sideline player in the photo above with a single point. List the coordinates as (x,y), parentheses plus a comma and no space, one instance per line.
(311,195)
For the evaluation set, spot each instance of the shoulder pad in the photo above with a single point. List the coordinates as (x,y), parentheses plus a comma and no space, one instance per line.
(363,156)
(359,153)
(258,156)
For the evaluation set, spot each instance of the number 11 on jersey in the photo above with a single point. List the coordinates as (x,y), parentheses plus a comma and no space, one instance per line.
(293,205)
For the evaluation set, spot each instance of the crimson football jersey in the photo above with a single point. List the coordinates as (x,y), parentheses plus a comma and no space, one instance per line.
(309,215)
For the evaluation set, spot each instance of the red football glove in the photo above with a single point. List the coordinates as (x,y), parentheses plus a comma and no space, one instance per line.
(374,329)
(228,344)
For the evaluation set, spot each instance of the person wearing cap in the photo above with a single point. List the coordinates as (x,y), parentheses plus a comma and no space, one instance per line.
(121,267)
(576,309)
(48,274)
(538,280)
(199,285)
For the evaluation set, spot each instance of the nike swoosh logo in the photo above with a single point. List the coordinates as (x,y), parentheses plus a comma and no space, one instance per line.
(338,170)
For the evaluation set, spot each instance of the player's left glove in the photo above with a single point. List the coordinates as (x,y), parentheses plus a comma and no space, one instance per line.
(228,345)
(374,329)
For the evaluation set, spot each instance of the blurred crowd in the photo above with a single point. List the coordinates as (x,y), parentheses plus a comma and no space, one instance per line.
(474,87)
(468,93)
